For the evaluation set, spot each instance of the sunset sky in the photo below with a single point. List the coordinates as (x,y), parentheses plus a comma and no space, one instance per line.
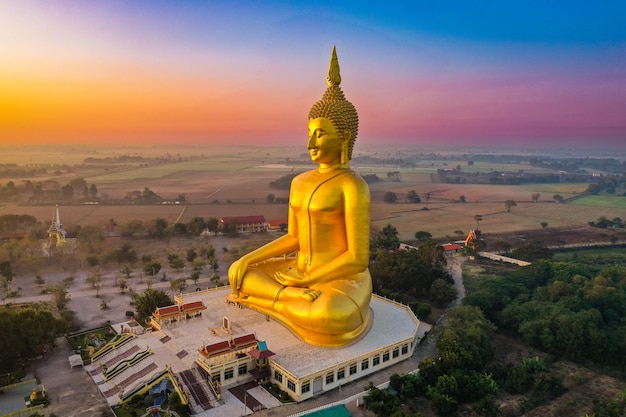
(458,72)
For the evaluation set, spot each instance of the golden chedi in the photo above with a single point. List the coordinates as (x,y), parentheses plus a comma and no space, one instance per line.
(323,293)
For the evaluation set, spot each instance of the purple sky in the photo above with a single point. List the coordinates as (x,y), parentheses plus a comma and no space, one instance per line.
(455,72)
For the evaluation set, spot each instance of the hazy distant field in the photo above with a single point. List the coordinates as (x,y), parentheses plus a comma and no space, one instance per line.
(612,201)
(238,179)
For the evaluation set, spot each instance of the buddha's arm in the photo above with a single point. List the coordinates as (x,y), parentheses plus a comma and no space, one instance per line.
(357,219)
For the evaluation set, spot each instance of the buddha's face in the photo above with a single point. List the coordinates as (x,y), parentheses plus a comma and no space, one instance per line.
(324,142)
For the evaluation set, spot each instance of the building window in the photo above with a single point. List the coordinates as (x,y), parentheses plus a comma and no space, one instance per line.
(330,378)
(216,377)
(306,387)
(291,385)
(352,368)
(405,348)
(341,374)
(365,364)
(386,356)
(278,376)
(376,360)
(396,352)
(243,369)
(228,374)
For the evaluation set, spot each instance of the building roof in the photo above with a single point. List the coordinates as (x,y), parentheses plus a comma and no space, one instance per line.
(261,354)
(193,306)
(216,348)
(243,219)
(167,311)
(241,342)
(451,246)
(276,223)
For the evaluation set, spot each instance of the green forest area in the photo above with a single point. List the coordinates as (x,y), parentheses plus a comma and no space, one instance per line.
(504,350)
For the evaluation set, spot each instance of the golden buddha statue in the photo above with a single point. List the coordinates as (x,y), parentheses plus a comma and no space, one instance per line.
(322,294)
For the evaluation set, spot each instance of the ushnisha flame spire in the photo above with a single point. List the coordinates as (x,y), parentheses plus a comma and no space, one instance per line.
(334,76)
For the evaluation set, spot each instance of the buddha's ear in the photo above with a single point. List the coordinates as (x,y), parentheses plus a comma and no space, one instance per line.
(345,142)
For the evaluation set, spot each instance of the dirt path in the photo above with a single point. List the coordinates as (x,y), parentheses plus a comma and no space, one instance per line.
(455,264)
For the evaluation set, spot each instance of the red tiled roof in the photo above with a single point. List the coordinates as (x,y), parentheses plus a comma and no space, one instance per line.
(168,311)
(276,223)
(261,354)
(451,246)
(216,348)
(196,305)
(243,219)
(244,341)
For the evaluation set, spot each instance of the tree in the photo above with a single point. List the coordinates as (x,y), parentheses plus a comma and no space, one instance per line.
(270,198)
(386,239)
(127,271)
(195,276)
(134,228)
(60,297)
(93,190)
(422,235)
(146,302)
(212,224)
(465,341)
(198,263)
(95,279)
(535,197)
(24,332)
(508,204)
(557,198)
(427,196)
(196,225)
(151,268)
(442,292)
(6,270)
(175,261)
(412,197)
(532,251)
(544,225)
(191,254)
(110,225)
(158,228)
(390,197)
(67,192)
(178,284)
(462,199)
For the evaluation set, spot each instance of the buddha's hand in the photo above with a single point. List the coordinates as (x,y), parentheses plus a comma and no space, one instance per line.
(292,277)
(235,275)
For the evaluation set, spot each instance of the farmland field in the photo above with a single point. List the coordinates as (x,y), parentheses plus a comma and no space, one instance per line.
(613,201)
(235,181)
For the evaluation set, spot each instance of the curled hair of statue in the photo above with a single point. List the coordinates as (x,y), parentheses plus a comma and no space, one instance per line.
(334,106)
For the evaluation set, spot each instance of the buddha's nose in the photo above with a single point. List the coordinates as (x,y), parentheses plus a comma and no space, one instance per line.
(312,142)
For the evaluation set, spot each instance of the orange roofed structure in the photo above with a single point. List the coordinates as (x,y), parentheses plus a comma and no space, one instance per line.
(243,224)
(176,312)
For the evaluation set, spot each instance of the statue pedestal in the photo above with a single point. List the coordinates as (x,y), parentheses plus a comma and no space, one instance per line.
(300,369)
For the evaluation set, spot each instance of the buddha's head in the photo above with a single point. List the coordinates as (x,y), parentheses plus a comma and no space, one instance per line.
(334,107)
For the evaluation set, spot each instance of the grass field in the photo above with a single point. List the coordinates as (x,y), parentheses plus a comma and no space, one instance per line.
(565,189)
(613,201)
(595,256)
